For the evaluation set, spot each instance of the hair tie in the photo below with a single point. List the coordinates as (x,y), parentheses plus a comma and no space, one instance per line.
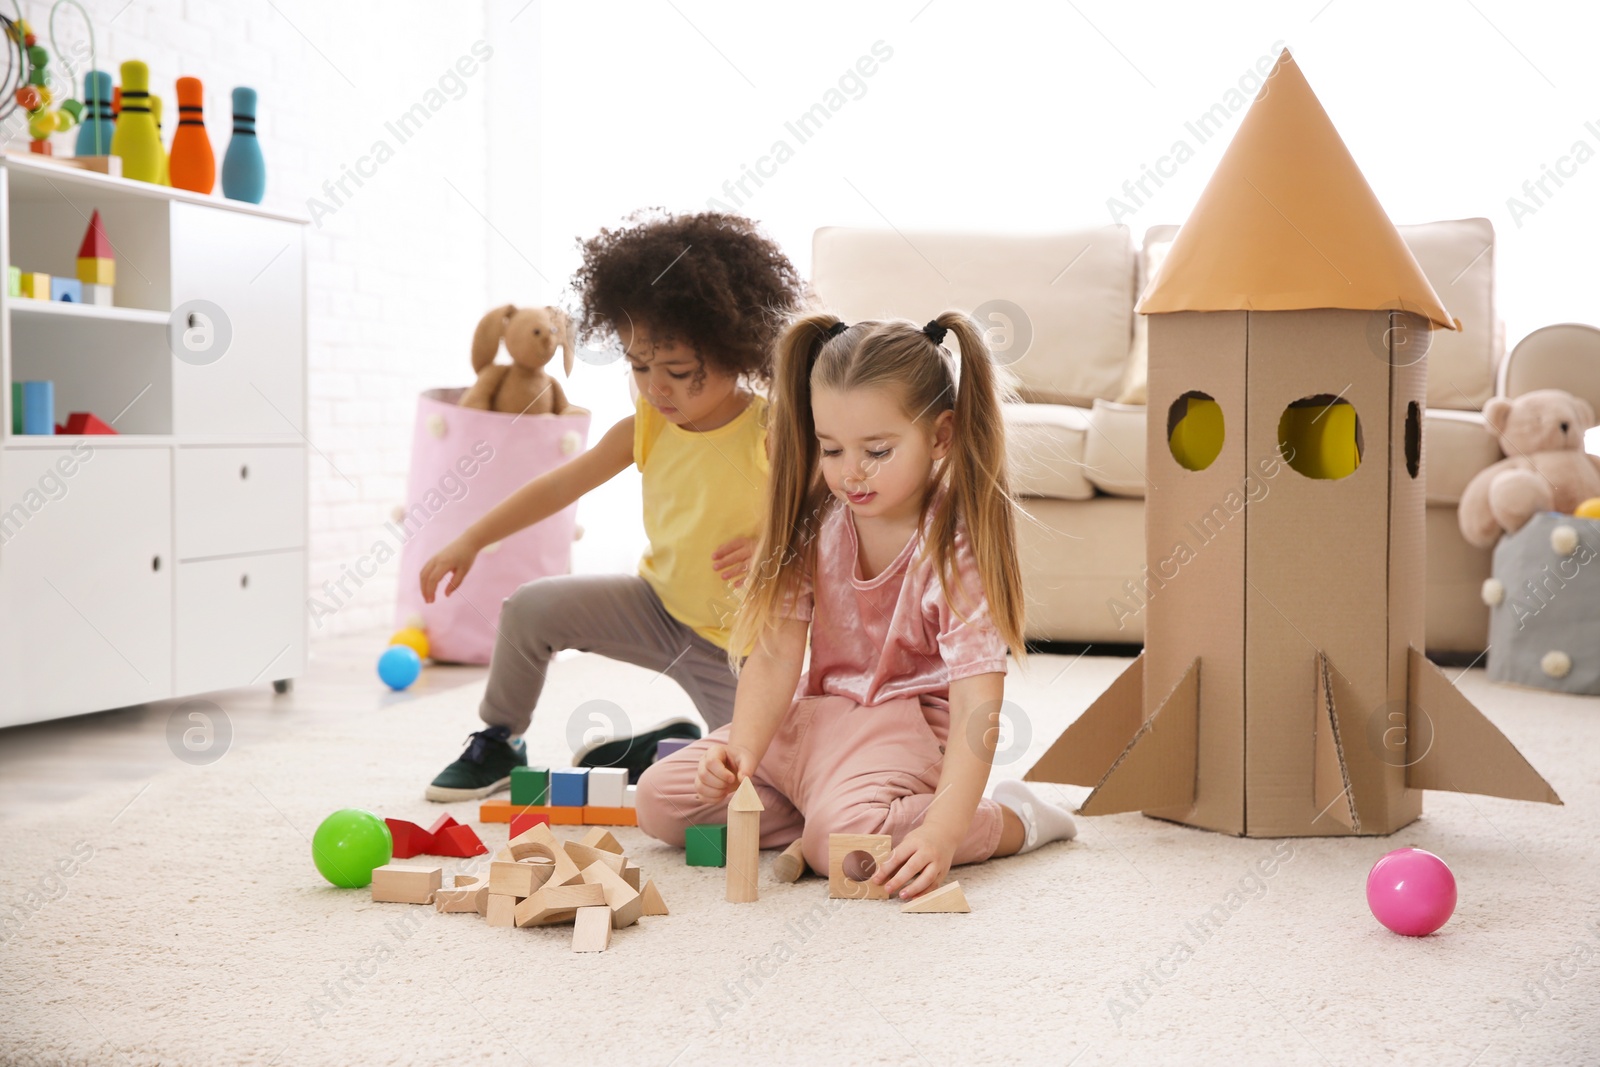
(935,332)
(834,331)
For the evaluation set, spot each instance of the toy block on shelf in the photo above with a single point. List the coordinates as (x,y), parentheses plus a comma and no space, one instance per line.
(66,290)
(852,860)
(522,822)
(96,295)
(744,844)
(947,898)
(569,787)
(519,878)
(530,785)
(85,422)
(790,863)
(602,839)
(395,884)
(469,895)
(593,816)
(606,787)
(559,903)
(591,930)
(624,901)
(13,281)
(706,845)
(35,285)
(653,904)
(96,262)
(502,910)
(630,797)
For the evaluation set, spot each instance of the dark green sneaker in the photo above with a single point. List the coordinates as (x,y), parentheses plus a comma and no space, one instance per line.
(633,753)
(484,768)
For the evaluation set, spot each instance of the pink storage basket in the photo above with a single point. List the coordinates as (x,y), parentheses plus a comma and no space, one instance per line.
(464,462)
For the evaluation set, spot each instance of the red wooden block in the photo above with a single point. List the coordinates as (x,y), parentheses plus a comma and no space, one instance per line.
(457,841)
(520,824)
(84,422)
(409,838)
(445,838)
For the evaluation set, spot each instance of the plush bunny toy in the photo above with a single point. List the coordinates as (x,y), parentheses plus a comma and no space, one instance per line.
(520,387)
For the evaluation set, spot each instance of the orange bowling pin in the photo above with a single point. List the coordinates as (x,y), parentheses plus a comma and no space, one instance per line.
(193,165)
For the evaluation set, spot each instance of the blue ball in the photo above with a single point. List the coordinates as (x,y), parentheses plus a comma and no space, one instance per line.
(399,666)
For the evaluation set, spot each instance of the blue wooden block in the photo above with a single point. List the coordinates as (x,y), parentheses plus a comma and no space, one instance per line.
(38,407)
(569,787)
(69,290)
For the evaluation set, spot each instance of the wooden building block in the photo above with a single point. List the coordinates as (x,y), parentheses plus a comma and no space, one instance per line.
(569,787)
(603,840)
(607,786)
(521,822)
(744,844)
(13,281)
(35,285)
(631,874)
(519,878)
(66,290)
(530,785)
(624,901)
(591,930)
(593,816)
(502,910)
(583,855)
(468,895)
(791,863)
(630,797)
(396,884)
(559,903)
(706,846)
(97,295)
(947,898)
(501,810)
(848,872)
(651,896)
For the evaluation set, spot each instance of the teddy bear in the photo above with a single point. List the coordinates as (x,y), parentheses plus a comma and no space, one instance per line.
(1545,469)
(521,387)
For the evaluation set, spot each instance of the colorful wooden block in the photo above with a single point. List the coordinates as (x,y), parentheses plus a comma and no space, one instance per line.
(38,407)
(66,290)
(97,270)
(852,860)
(13,281)
(84,422)
(706,845)
(396,884)
(526,819)
(530,785)
(670,745)
(445,837)
(630,797)
(610,816)
(502,811)
(569,787)
(35,285)
(97,295)
(607,786)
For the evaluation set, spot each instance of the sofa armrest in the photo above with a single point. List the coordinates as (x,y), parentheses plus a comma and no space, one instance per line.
(1563,356)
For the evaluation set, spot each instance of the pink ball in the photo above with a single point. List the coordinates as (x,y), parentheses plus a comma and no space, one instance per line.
(1411,891)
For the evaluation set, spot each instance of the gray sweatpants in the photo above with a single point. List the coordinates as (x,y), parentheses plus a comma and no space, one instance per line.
(616,615)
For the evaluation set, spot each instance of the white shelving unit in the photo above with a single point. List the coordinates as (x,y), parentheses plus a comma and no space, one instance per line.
(168,560)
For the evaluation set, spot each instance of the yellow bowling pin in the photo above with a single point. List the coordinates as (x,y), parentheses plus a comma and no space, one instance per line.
(135,138)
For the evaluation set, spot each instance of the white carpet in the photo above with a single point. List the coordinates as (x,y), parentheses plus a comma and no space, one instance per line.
(198,932)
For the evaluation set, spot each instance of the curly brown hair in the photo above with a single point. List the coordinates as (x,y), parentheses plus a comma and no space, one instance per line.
(711,280)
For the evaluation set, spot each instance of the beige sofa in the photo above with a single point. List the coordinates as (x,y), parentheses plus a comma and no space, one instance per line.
(1059,309)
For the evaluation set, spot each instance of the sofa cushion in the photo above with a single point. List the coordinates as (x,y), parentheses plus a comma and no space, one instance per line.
(1458,258)
(1113,453)
(1455,446)
(1044,447)
(1152,252)
(1058,306)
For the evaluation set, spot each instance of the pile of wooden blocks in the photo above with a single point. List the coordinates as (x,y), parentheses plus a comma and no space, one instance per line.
(538,879)
(567,796)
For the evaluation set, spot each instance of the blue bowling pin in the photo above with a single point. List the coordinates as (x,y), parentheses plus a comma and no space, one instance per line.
(94,136)
(244,172)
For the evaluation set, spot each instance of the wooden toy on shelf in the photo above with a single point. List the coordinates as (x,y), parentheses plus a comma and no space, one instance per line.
(946,898)
(134,137)
(244,173)
(744,844)
(852,861)
(192,165)
(94,135)
(35,285)
(396,884)
(790,863)
(84,422)
(706,845)
(66,290)
(97,263)
(13,281)
(97,295)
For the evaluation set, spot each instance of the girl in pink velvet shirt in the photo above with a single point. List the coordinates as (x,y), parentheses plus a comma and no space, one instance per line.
(889,541)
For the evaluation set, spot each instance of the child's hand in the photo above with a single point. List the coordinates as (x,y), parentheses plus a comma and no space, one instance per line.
(731,560)
(454,559)
(918,863)
(722,768)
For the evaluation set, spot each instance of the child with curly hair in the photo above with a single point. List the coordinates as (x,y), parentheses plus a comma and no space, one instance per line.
(696,302)
(890,541)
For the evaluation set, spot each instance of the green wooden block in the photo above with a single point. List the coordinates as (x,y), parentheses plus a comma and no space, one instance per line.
(706,846)
(13,281)
(530,785)
(16,408)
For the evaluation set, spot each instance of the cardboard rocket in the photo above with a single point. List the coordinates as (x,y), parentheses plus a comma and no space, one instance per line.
(1282,690)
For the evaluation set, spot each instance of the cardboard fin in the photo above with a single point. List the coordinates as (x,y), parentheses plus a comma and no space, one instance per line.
(1088,748)
(1453,747)
(1157,767)
(1330,775)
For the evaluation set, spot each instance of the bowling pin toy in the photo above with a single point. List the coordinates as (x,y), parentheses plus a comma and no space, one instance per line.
(244,172)
(165,177)
(135,138)
(193,166)
(94,136)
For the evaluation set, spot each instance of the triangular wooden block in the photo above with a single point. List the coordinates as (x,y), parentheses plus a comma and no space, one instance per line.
(602,839)
(1451,746)
(653,904)
(947,898)
(746,798)
(1330,775)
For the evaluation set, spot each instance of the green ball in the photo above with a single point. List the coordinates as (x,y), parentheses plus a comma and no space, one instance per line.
(349,844)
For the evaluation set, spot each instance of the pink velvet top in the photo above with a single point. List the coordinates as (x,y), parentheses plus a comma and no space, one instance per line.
(893,635)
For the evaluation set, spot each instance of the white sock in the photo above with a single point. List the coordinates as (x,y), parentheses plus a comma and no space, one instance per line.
(1042,821)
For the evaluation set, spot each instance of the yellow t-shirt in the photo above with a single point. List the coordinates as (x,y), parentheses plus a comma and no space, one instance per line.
(700,491)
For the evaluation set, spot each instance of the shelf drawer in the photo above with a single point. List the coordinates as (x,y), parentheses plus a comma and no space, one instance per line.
(232,501)
(240,621)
